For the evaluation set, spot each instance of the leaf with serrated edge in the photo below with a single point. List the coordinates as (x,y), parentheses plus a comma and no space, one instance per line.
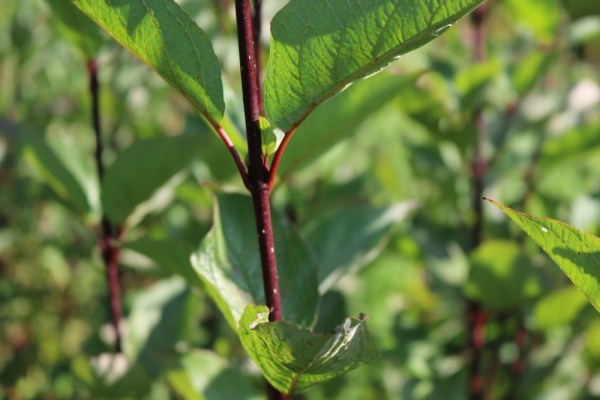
(577,253)
(164,36)
(228,262)
(321,46)
(294,359)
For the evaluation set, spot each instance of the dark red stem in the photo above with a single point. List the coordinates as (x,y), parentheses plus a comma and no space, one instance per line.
(259,174)
(106,243)
(476,314)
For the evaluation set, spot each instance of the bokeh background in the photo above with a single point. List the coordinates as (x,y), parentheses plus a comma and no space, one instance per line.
(523,118)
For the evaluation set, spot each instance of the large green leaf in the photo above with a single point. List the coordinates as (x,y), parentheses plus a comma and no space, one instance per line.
(77,27)
(350,237)
(142,169)
(164,36)
(320,46)
(294,359)
(576,253)
(228,262)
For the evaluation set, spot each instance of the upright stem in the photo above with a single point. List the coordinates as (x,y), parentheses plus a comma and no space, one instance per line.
(476,314)
(106,243)
(259,175)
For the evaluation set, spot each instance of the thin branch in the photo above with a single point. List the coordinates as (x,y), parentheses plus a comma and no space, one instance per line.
(277,157)
(234,153)
(106,243)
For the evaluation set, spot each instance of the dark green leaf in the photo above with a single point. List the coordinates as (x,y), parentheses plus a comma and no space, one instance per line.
(351,237)
(294,359)
(228,262)
(164,36)
(320,47)
(65,170)
(141,170)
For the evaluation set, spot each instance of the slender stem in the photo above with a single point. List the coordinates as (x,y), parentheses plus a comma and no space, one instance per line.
(232,150)
(259,174)
(277,157)
(106,243)
(476,314)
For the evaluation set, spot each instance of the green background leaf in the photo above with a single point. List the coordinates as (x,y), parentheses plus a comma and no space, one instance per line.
(501,278)
(228,261)
(350,237)
(164,36)
(294,359)
(319,48)
(139,172)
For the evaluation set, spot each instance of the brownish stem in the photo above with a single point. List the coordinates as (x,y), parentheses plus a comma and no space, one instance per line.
(106,243)
(258,172)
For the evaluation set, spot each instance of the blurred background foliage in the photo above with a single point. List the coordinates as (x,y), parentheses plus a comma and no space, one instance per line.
(408,134)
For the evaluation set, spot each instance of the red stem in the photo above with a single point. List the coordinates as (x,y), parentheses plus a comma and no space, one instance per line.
(259,174)
(110,251)
(277,157)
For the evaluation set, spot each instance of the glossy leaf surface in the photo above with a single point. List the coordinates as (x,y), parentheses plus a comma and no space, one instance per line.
(321,46)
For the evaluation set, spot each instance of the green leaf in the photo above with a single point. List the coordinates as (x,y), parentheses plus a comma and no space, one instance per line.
(320,47)
(558,308)
(228,261)
(294,359)
(141,170)
(64,168)
(170,254)
(575,145)
(575,252)
(501,278)
(351,237)
(270,137)
(158,320)
(530,70)
(342,116)
(164,36)
(77,27)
